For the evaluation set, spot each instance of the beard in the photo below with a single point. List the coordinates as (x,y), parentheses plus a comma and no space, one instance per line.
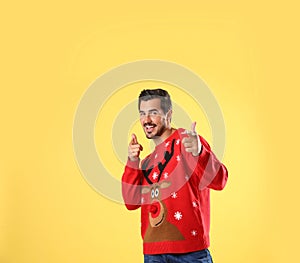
(155,132)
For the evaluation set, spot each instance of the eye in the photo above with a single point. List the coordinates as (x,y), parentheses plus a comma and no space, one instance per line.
(156,192)
(152,193)
(142,114)
(154,113)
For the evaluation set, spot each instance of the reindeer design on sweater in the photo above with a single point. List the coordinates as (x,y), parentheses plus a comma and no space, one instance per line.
(159,229)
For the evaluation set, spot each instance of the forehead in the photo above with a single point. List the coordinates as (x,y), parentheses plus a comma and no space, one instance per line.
(150,104)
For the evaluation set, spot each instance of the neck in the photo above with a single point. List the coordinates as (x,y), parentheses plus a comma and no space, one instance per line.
(164,136)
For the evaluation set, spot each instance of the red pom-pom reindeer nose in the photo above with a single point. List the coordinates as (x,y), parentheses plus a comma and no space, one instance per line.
(154,209)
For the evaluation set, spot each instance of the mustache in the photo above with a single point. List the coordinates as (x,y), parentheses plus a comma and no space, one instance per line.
(149,123)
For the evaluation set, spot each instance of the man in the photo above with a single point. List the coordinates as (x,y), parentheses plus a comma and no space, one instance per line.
(171,185)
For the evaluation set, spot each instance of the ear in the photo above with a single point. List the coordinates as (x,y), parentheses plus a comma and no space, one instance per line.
(145,189)
(165,184)
(169,116)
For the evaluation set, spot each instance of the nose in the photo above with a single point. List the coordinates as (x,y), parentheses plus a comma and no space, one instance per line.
(155,209)
(146,118)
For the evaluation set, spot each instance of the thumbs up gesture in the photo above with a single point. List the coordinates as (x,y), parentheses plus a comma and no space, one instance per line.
(192,142)
(134,148)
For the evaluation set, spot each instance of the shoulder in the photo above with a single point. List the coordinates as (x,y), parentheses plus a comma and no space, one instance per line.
(180,130)
(146,160)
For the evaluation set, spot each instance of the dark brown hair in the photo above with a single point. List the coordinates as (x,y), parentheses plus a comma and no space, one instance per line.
(163,95)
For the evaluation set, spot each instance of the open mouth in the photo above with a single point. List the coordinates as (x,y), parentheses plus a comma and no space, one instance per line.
(149,127)
(162,219)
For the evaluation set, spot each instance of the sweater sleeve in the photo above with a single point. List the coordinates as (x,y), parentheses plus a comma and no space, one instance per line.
(210,171)
(131,183)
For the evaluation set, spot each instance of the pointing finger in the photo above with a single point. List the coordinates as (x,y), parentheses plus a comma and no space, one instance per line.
(134,142)
(193,128)
(133,139)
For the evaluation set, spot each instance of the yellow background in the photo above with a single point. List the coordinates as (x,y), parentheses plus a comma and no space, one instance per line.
(248,54)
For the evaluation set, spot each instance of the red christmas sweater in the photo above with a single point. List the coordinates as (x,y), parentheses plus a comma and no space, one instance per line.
(172,187)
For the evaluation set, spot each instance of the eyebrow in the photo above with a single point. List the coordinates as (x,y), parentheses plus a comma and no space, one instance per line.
(150,110)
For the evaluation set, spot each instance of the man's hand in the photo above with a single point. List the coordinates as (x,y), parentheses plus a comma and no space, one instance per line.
(134,148)
(192,142)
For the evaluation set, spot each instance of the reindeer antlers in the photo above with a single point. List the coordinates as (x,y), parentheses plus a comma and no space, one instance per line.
(167,156)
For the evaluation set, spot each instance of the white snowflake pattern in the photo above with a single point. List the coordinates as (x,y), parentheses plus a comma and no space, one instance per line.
(178,158)
(187,177)
(177,141)
(167,144)
(194,204)
(154,175)
(142,200)
(178,215)
(194,233)
(155,156)
(166,175)
(174,195)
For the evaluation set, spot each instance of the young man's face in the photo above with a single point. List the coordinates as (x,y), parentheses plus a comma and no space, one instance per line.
(153,120)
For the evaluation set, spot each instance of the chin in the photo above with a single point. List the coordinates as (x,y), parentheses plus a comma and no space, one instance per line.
(150,136)
(155,134)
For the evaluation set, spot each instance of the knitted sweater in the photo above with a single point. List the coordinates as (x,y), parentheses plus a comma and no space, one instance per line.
(172,187)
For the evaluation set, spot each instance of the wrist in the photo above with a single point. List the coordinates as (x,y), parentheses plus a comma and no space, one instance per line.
(199,148)
(132,159)
(133,163)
